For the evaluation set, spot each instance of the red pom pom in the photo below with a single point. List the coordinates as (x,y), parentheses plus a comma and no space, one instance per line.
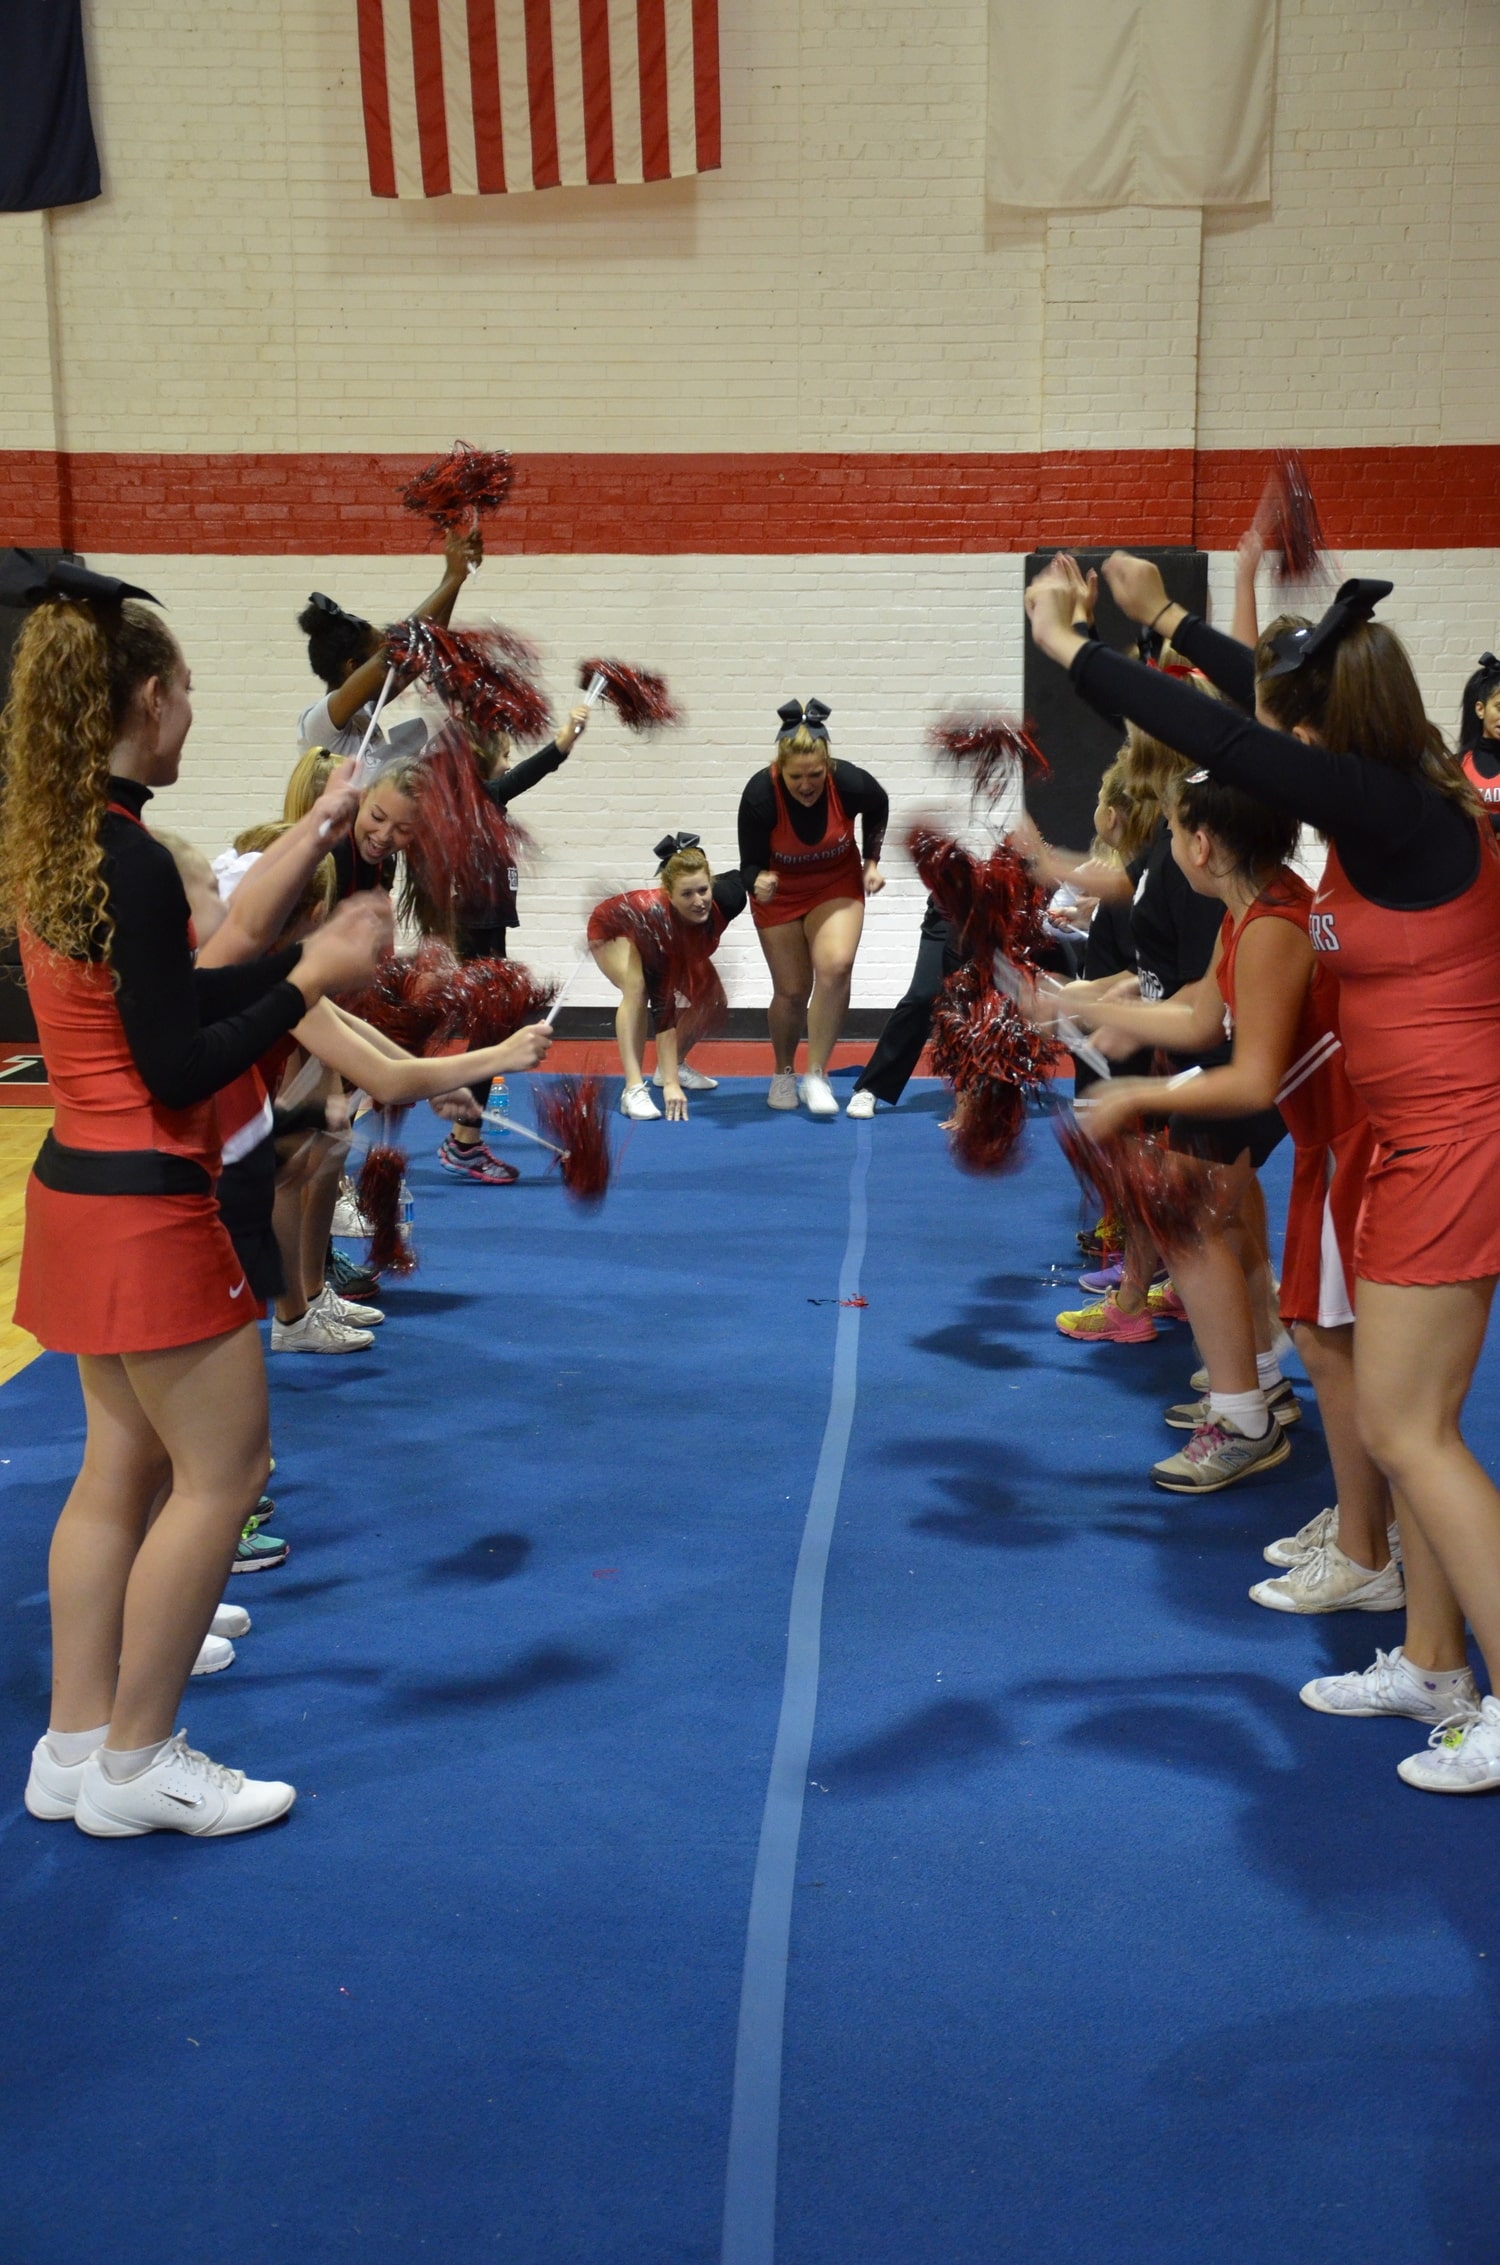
(490,1000)
(1299,532)
(988,1122)
(640,700)
(993,902)
(380,1180)
(484,677)
(574,1112)
(1174,1199)
(465,847)
(994,752)
(454,489)
(406,999)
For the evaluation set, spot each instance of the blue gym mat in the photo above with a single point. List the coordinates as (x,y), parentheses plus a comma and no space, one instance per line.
(1102,1947)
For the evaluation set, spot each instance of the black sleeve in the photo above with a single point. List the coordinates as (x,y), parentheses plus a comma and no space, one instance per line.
(866,799)
(757,818)
(221,991)
(1402,843)
(181,1059)
(508,784)
(730,894)
(1224,660)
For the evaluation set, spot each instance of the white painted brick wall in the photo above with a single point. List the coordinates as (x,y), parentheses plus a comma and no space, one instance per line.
(888,642)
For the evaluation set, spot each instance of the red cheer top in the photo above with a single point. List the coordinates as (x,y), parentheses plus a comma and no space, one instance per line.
(676,955)
(101,1101)
(1316,1098)
(1487,789)
(810,873)
(1419,1003)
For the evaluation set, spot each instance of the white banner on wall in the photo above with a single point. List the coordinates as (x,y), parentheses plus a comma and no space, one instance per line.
(1131,102)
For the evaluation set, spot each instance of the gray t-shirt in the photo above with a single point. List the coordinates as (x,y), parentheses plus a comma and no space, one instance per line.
(315,729)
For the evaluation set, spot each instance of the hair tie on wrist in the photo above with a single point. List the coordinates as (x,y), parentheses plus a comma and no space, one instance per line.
(1161,609)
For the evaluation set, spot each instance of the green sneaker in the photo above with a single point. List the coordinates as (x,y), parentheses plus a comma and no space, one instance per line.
(256,1551)
(1218,1455)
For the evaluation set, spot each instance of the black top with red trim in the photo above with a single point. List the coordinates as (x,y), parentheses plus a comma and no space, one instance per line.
(351,872)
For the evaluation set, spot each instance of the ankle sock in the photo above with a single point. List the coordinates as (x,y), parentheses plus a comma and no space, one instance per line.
(1436,1678)
(70,1747)
(118,1764)
(1247,1411)
(1268,1371)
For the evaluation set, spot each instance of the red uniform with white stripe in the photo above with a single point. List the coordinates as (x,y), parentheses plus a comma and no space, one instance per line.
(1331,1134)
(1419,1009)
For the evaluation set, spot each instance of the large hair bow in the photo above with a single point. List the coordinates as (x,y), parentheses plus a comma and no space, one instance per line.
(793,715)
(670,844)
(27,580)
(1354,602)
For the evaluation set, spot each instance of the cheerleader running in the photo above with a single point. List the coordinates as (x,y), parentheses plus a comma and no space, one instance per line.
(1410,904)
(808,886)
(126,1262)
(657,946)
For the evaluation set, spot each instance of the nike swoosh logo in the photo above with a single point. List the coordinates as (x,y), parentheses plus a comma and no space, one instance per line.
(184,1800)
(235,1293)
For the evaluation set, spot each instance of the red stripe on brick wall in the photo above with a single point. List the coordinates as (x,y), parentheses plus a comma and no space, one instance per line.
(759,505)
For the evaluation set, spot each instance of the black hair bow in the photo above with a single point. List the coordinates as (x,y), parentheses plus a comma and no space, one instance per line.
(670,844)
(26,580)
(1487,662)
(810,718)
(1354,602)
(334,610)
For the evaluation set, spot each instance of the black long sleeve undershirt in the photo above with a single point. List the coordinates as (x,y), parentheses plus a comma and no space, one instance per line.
(730,894)
(1224,660)
(1403,844)
(189,1031)
(507,784)
(862,795)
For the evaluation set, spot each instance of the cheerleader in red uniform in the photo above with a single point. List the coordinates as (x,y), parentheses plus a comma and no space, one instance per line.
(657,946)
(126,1262)
(808,884)
(1479,734)
(1279,1001)
(1408,910)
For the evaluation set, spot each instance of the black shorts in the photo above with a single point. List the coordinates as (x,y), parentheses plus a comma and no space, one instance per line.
(247,1195)
(1223,1140)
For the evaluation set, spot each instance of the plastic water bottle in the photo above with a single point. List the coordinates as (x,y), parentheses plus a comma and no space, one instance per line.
(404,1208)
(497,1106)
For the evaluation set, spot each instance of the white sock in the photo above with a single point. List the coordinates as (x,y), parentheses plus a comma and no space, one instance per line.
(70,1747)
(1247,1411)
(1440,1678)
(118,1764)
(1268,1371)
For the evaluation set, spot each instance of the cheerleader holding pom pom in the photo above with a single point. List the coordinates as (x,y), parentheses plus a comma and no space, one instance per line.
(656,946)
(1410,904)
(1479,734)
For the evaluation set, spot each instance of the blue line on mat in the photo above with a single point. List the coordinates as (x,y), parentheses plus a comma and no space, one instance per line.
(755,2117)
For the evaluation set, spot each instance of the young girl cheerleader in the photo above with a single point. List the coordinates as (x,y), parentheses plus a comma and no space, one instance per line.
(126,1262)
(348,653)
(385,823)
(1410,905)
(657,946)
(1479,734)
(1279,1001)
(808,885)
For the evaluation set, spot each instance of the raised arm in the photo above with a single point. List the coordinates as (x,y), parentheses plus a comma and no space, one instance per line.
(363,683)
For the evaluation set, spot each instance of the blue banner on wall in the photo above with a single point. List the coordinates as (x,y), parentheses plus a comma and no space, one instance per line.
(47,153)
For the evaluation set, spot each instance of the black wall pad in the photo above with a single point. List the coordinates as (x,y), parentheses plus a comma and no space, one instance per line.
(1078,744)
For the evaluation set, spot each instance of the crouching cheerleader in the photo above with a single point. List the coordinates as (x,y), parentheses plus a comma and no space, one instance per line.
(657,946)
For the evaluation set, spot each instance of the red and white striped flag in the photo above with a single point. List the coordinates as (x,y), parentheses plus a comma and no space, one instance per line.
(477,97)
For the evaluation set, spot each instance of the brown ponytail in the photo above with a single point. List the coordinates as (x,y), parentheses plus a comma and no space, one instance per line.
(76,669)
(1363,699)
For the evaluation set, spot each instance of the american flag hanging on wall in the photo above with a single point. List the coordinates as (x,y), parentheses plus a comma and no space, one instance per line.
(480,97)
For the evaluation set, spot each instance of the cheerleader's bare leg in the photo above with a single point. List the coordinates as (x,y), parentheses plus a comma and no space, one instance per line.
(833,931)
(790,961)
(1415,1351)
(621,962)
(1361,1489)
(206,1405)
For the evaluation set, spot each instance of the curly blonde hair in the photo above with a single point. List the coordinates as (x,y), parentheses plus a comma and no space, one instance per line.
(75,670)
